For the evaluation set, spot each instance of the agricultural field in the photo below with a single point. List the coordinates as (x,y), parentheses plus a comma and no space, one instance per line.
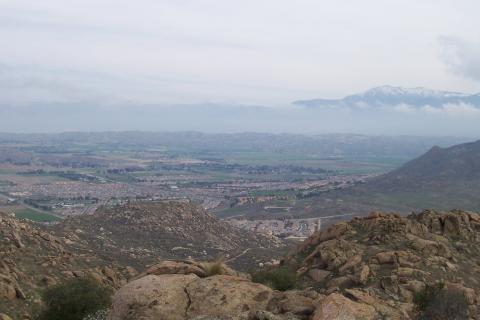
(31,214)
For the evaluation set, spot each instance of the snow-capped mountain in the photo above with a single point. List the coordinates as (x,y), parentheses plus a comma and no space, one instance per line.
(393,96)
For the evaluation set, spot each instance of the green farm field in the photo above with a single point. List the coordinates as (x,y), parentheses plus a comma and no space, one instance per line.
(31,214)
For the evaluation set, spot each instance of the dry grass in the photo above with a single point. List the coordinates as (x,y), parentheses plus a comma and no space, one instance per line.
(213,268)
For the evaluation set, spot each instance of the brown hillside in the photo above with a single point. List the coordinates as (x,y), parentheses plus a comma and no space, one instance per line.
(33,259)
(141,233)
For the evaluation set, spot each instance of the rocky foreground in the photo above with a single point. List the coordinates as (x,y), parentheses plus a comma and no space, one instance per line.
(377,267)
(111,245)
(424,266)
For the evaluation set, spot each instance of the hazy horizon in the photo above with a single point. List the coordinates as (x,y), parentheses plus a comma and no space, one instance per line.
(221,66)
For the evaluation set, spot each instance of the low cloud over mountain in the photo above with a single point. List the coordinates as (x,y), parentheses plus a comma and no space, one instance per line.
(400,99)
(391,110)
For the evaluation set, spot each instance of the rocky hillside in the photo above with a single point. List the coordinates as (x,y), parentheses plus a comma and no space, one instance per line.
(141,233)
(106,245)
(385,261)
(33,259)
(382,266)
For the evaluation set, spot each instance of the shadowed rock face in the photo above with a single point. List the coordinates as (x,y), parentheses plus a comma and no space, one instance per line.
(140,233)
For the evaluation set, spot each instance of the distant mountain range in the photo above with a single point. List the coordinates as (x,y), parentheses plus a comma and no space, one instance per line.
(359,113)
(394,96)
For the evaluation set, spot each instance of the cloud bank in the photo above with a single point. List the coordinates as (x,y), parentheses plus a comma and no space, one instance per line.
(461,57)
(249,52)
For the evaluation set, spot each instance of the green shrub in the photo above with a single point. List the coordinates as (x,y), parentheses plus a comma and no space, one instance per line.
(74,300)
(439,303)
(423,298)
(213,268)
(280,278)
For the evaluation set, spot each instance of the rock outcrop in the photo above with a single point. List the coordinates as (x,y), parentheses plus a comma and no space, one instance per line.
(385,260)
(337,306)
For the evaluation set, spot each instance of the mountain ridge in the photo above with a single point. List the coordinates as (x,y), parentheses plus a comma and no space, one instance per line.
(387,96)
(441,179)
(455,164)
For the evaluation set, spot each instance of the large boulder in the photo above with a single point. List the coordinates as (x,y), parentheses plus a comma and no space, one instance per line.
(180,297)
(223,295)
(337,306)
(153,297)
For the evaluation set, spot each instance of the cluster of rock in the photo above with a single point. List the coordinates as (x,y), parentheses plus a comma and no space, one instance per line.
(180,290)
(139,233)
(383,261)
(33,259)
(369,268)
(373,267)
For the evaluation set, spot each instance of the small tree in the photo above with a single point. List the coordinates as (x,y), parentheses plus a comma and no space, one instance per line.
(440,303)
(74,300)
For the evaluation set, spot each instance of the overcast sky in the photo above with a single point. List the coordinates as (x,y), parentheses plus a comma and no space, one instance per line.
(262,52)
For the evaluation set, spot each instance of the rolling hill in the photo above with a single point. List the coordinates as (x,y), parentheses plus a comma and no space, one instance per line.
(141,233)
(442,178)
(458,165)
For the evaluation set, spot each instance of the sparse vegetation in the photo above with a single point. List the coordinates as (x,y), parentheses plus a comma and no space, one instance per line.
(423,298)
(279,278)
(75,300)
(27,213)
(212,268)
(305,253)
(439,303)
